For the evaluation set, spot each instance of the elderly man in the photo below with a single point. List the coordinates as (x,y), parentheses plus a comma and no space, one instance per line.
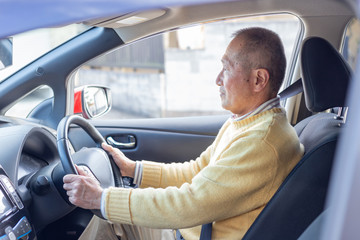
(230,182)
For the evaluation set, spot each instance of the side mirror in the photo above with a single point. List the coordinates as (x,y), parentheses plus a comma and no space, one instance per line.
(92,101)
(6,53)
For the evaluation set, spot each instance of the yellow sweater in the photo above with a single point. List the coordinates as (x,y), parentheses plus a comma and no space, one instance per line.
(229,184)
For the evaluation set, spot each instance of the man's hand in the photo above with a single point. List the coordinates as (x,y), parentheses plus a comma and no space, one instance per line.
(83,190)
(126,166)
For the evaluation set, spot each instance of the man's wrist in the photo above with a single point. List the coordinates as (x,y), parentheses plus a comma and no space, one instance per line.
(129,170)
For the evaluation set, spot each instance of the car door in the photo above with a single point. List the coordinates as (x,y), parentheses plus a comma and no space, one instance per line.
(162,140)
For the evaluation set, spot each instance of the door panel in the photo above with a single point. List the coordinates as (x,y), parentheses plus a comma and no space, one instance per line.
(161,140)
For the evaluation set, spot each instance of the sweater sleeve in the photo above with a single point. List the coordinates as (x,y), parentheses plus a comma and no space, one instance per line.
(160,175)
(233,182)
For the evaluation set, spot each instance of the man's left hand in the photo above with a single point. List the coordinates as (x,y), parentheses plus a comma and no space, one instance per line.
(83,190)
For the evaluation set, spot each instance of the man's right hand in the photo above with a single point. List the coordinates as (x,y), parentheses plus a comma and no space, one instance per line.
(126,166)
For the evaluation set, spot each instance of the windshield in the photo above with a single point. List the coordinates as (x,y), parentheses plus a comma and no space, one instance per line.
(30,45)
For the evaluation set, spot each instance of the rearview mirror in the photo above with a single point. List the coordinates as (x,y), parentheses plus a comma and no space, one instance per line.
(6,52)
(92,101)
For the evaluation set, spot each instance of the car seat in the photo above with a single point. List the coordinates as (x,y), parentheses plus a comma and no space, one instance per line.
(301,197)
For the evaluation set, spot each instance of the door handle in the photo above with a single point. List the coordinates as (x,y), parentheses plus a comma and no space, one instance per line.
(130,144)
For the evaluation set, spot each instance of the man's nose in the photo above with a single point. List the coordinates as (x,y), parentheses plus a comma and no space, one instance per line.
(219,78)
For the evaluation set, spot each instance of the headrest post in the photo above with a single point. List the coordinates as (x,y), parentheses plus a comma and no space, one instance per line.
(345,114)
(341,115)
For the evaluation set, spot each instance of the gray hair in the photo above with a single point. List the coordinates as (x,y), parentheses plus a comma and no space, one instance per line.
(262,48)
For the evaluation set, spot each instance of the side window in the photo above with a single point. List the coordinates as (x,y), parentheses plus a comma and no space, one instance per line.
(24,106)
(351,43)
(173,74)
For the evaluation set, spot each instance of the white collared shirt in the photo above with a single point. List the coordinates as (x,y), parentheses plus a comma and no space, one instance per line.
(272,103)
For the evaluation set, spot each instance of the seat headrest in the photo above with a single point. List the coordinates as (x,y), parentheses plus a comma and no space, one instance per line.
(325,75)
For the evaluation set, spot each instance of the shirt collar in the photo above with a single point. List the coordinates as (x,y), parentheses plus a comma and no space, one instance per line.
(272,103)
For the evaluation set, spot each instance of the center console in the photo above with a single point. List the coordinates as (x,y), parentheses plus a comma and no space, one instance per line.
(14,221)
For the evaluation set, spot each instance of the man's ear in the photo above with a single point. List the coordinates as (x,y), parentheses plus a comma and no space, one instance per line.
(261,79)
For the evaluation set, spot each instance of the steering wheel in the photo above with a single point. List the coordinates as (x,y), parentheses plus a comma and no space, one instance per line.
(95,159)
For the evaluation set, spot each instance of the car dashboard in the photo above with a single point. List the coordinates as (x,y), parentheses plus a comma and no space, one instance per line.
(27,148)
(14,218)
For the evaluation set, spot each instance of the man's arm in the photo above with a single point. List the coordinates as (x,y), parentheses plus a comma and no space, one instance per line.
(232,180)
(149,174)
(161,175)
(85,191)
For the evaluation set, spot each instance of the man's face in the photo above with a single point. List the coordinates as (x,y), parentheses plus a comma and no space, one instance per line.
(234,81)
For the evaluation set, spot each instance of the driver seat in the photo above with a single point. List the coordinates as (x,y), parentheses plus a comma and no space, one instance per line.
(301,197)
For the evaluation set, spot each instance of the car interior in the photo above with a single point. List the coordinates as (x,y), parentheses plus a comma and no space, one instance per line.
(39,148)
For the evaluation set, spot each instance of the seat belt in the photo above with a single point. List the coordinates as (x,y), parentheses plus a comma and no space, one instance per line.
(178,235)
(206,231)
(292,90)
